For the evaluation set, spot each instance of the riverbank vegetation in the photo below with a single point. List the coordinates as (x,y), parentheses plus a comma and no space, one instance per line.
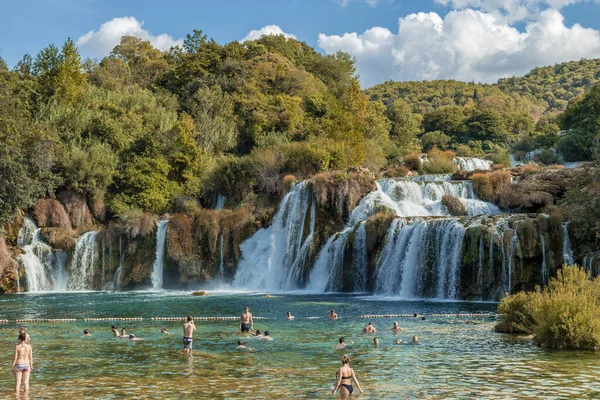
(564,315)
(147,130)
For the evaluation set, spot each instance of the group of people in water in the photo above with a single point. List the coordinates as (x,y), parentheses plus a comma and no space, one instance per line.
(23,357)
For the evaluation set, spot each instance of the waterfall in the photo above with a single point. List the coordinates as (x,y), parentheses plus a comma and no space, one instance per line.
(274,257)
(545,274)
(116,281)
(567,251)
(359,259)
(221,258)
(45,269)
(157,268)
(481,260)
(85,256)
(219,202)
(514,246)
(472,163)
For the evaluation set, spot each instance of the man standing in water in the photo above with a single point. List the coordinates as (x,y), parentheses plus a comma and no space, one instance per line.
(246,322)
(188,333)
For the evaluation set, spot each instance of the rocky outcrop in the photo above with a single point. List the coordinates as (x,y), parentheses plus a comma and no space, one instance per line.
(8,268)
(50,213)
(76,207)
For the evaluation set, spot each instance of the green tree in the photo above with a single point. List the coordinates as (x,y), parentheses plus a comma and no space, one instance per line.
(405,125)
(70,79)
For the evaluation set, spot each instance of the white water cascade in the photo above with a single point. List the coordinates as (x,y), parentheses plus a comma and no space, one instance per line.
(157,268)
(273,258)
(472,163)
(85,257)
(567,251)
(45,269)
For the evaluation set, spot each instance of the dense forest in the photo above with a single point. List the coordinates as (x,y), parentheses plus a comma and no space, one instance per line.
(159,131)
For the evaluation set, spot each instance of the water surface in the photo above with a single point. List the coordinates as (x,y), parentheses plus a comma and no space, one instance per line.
(460,358)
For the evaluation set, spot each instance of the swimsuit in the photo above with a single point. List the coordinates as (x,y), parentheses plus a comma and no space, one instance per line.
(349,387)
(187,342)
(22,367)
(245,327)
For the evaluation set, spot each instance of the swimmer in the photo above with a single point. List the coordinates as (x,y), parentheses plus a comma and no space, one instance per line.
(376,342)
(369,328)
(86,332)
(123,334)
(115,330)
(266,336)
(188,333)
(22,364)
(22,330)
(416,340)
(332,315)
(241,346)
(415,315)
(256,333)
(163,330)
(396,328)
(342,343)
(344,379)
(289,316)
(423,318)
(398,341)
(246,322)
(132,337)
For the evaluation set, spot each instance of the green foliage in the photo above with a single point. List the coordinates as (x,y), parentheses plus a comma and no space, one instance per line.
(405,125)
(565,315)
(581,120)
(90,168)
(435,139)
(439,162)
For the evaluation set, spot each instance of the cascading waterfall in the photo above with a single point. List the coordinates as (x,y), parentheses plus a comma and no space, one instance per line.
(273,258)
(157,268)
(44,268)
(116,281)
(514,247)
(545,274)
(85,257)
(221,257)
(472,163)
(567,251)
(359,261)
(219,202)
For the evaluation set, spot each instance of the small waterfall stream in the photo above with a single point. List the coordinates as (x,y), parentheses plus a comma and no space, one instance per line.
(472,163)
(157,268)
(84,261)
(567,251)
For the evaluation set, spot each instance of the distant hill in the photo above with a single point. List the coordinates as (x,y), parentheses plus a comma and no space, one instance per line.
(543,90)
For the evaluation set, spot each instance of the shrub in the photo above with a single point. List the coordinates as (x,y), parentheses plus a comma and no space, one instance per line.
(435,139)
(395,171)
(289,181)
(412,161)
(439,162)
(501,158)
(138,223)
(565,315)
(547,157)
(454,205)
(488,186)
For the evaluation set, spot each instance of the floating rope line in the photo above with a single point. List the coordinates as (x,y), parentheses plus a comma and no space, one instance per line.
(428,315)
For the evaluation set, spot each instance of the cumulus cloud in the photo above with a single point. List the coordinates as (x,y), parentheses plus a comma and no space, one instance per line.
(266,31)
(101,42)
(465,45)
(512,10)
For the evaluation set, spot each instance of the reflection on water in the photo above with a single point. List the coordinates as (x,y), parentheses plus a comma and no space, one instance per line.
(460,358)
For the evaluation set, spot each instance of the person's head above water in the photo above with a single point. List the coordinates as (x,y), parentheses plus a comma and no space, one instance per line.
(266,333)
(345,360)
(21,329)
(395,324)
(415,315)
(258,332)
(22,337)
(240,343)
(189,318)
(375,340)
(131,336)
(341,340)
(415,338)
(114,327)
(289,313)
(398,341)
(123,330)
(163,329)
(86,331)
(370,323)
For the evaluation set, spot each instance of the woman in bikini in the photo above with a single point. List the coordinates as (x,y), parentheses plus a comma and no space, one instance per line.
(22,363)
(344,379)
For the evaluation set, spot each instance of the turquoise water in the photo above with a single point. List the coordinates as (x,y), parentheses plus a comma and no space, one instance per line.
(460,358)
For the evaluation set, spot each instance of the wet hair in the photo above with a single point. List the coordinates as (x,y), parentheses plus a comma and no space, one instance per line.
(240,343)
(86,331)
(375,340)
(113,327)
(23,337)
(345,359)
(122,329)
(370,323)
(131,336)
(341,340)
(190,318)
(415,315)
(21,329)
(423,318)
(258,331)
(266,333)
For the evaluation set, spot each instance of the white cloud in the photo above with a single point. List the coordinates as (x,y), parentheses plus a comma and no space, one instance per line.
(465,45)
(266,31)
(101,42)
(512,10)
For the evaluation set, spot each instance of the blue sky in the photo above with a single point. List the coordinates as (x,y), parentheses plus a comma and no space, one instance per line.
(408,52)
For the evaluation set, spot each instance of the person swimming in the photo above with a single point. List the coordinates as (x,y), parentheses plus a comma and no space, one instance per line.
(369,328)
(396,328)
(123,334)
(115,331)
(344,379)
(398,341)
(376,342)
(241,346)
(341,344)
(256,333)
(86,332)
(132,337)
(332,315)
(266,336)
(22,364)
(289,316)
(415,340)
